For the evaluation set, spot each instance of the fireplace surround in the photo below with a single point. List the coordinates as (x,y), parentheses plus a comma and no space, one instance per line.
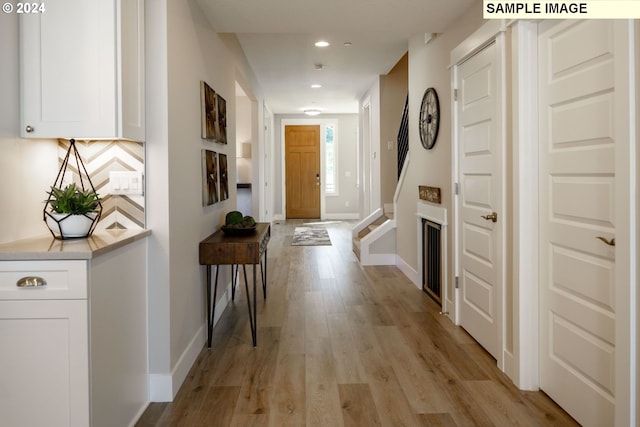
(431,226)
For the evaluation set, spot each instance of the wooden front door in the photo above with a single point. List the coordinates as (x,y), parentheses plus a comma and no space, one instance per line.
(302,174)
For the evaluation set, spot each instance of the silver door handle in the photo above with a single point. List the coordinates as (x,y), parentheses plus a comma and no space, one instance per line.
(493,217)
(611,242)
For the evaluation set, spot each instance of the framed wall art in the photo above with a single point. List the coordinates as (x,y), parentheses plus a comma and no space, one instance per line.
(224,177)
(208,100)
(209,177)
(221,123)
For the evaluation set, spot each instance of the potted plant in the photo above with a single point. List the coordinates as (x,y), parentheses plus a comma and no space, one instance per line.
(73,211)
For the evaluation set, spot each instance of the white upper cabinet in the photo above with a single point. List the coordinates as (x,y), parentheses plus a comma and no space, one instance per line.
(82,70)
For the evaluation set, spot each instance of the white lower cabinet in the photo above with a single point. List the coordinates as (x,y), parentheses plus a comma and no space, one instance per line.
(74,352)
(44,372)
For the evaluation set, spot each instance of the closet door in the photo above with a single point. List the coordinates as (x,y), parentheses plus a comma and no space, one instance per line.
(577,217)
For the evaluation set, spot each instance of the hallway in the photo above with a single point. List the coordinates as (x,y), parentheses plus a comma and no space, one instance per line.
(341,345)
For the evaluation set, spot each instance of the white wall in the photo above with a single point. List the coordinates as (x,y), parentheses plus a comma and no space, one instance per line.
(243,139)
(27,167)
(182,51)
(428,67)
(369,141)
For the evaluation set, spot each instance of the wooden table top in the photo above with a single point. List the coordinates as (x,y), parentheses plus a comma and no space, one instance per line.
(219,248)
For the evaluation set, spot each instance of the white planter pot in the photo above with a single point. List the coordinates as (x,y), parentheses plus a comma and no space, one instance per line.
(69,225)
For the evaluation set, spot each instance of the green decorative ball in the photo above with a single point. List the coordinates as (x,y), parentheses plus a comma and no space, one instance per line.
(248,221)
(233,218)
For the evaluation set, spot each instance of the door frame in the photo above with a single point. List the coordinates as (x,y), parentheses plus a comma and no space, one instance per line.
(266,159)
(283,189)
(525,276)
(365,172)
(491,32)
(524,113)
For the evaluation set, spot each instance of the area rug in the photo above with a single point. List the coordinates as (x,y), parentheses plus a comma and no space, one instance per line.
(310,236)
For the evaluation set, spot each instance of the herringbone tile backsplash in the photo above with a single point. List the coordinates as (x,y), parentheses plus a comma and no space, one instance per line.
(102,157)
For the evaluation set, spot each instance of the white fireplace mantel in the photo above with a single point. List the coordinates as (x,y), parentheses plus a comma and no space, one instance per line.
(432,212)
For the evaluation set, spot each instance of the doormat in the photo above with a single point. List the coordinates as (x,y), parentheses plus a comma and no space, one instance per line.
(310,236)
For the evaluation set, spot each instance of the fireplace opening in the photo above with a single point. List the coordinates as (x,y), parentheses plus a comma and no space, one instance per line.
(431,265)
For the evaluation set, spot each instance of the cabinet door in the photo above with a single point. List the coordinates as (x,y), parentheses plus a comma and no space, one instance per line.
(68,73)
(132,63)
(44,373)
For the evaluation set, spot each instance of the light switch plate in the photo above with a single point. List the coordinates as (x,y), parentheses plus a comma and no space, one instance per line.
(126,183)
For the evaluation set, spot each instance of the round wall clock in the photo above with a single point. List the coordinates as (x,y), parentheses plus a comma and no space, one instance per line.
(429,120)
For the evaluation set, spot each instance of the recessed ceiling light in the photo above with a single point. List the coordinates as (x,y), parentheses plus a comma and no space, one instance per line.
(312,112)
(316,86)
(322,43)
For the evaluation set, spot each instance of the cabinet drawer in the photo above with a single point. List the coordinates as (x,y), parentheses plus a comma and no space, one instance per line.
(64,280)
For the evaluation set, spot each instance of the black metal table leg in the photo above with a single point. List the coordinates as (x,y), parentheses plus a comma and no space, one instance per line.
(209,326)
(234,280)
(263,274)
(255,304)
(211,304)
(252,312)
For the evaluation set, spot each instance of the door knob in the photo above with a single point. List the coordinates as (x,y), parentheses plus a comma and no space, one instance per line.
(493,217)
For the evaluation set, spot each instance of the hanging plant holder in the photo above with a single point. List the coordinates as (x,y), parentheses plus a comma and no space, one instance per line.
(72,210)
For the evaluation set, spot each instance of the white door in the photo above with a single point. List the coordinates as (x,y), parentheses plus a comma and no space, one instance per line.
(577,180)
(480,179)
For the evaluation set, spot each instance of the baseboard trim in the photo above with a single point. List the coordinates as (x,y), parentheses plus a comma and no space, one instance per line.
(164,387)
(378,259)
(509,365)
(138,415)
(337,216)
(408,271)
(160,389)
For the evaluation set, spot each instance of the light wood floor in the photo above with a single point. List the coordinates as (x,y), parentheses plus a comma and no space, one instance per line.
(342,345)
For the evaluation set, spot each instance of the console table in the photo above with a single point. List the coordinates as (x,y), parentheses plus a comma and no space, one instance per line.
(219,249)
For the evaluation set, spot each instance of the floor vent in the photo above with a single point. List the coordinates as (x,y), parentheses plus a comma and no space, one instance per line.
(431,267)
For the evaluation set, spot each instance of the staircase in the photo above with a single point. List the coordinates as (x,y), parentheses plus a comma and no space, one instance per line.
(374,239)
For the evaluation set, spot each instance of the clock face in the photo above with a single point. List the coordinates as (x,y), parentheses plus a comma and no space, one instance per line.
(429,118)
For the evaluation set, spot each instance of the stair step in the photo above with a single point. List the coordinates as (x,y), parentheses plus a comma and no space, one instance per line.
(363,232)
(389,215)
(379,220)
(373,226)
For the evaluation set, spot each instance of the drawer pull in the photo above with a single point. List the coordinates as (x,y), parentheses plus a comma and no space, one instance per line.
(31,282)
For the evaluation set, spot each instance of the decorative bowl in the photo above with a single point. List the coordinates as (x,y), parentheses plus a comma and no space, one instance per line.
(238,231)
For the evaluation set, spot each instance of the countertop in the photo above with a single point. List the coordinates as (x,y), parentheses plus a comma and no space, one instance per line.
(46,247)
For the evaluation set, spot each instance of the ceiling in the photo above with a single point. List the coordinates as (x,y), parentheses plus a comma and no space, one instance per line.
(278,38)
